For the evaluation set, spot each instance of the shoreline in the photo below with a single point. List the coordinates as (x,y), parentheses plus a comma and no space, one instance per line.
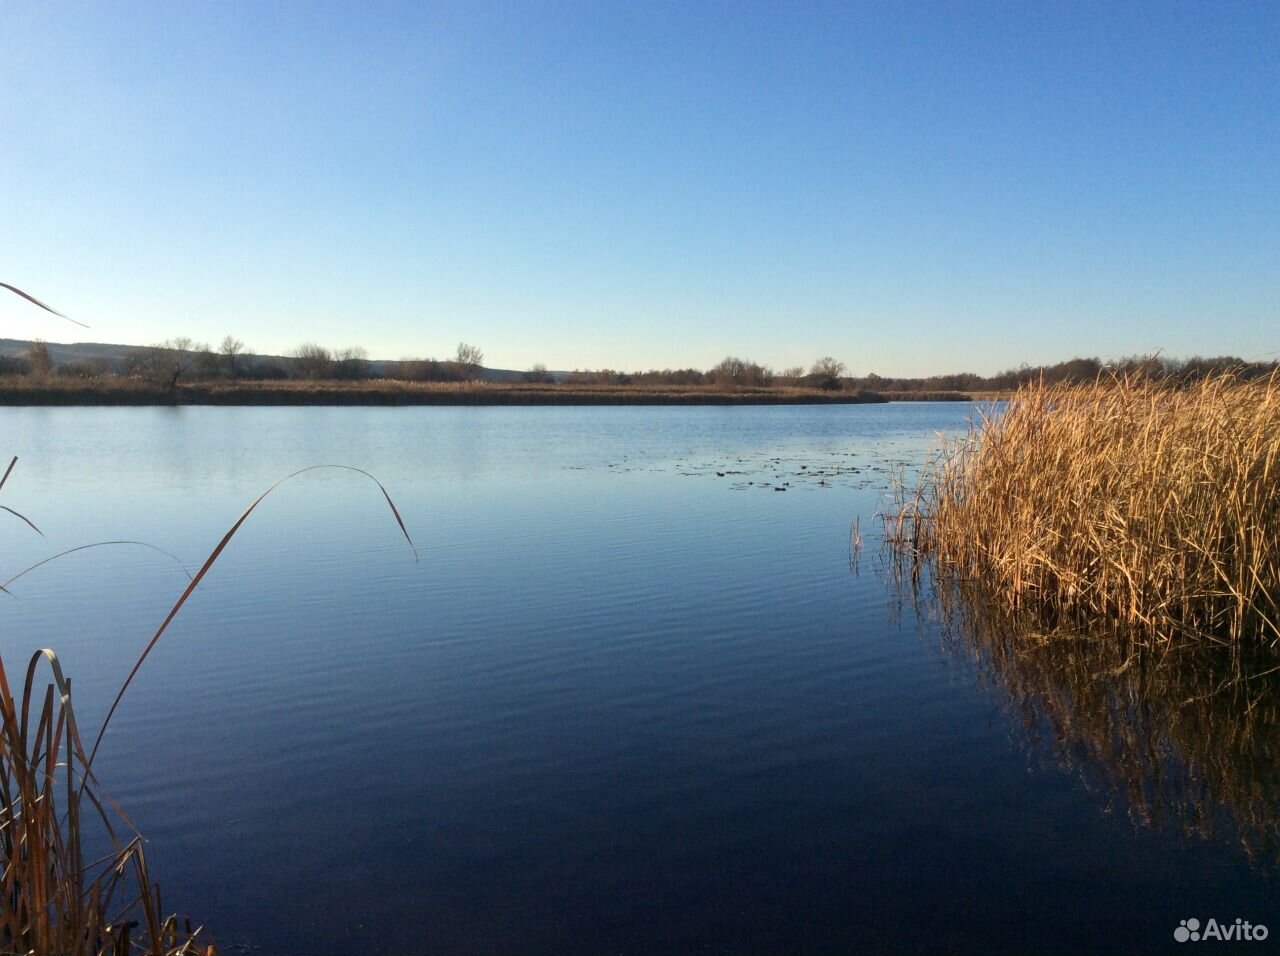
(405,393)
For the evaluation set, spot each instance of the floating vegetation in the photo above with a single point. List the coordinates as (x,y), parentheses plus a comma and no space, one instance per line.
(1126,504)
(763,469)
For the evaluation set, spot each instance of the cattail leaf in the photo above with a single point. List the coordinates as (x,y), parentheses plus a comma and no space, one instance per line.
(35,301)
(22,517)
(97,544)
(210,561)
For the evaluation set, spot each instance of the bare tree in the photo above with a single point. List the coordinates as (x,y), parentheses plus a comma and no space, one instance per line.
(825,374)
(469,359)
(162,364)
(735,371)
(827,367)
(538,374)
(40,360)
(231,348)
(352,363)
(313,361)
(728,372)
(792,375)
(207,363)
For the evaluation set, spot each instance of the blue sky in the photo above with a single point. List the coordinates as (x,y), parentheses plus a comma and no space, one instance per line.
(910,187)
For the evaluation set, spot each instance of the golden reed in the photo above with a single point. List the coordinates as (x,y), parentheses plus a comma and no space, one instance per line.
(1126,503)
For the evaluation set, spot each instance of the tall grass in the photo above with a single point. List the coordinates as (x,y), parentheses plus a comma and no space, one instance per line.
(53,901)
(1124,503)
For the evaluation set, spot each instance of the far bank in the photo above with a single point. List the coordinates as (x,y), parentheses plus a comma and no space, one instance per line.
(23,391)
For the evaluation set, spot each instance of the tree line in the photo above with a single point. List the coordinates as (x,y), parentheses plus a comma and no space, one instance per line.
(176,361)
(1074,371)
(180,360)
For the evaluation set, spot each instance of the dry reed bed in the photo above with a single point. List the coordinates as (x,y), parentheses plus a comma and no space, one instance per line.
(1124,503)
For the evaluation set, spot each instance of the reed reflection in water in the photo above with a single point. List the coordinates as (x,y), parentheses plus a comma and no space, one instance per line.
(1186,740)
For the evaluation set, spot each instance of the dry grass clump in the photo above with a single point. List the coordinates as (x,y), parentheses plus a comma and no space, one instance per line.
(53,901)
(1125,502)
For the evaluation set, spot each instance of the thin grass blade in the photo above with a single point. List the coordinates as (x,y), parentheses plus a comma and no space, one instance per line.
(204,569)
(32,299)
(98,544)
(22,517)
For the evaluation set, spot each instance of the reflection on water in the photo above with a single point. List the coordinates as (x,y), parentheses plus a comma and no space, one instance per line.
(1183,740)
(620,706)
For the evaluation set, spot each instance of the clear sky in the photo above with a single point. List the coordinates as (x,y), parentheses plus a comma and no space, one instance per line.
(911,187)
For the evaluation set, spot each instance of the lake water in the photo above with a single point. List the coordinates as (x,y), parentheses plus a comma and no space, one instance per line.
(632,699)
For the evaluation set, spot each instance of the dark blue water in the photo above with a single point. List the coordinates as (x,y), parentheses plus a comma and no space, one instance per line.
(633,698)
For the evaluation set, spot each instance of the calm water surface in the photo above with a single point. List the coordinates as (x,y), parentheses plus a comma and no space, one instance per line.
(632,698)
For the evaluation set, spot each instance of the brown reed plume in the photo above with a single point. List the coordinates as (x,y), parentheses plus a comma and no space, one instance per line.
(1125,503)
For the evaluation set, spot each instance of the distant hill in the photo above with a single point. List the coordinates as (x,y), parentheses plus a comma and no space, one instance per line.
(115,355)
(79,351)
